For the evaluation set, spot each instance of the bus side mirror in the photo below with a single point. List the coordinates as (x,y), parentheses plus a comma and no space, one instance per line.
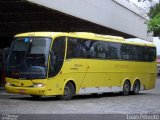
(5,55)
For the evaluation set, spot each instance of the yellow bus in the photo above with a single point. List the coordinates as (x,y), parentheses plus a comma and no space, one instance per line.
(66,64)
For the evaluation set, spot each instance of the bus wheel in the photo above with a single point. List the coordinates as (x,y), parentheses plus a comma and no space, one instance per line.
(136,87)
(126,88)
(35,96)
(69,92)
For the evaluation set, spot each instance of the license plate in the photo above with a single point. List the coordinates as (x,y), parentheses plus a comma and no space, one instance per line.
(22,91)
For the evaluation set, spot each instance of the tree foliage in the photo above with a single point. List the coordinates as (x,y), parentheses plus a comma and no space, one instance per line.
(154,14)
(154,10)
(154,23)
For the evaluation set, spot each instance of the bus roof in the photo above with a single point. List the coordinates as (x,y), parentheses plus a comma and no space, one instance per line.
(86,35)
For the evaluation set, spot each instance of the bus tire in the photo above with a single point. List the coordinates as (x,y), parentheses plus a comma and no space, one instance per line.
(126,88)
(136,87)
(69,92)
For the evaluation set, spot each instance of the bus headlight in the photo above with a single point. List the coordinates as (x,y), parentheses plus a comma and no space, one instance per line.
(38,85)
(9,84)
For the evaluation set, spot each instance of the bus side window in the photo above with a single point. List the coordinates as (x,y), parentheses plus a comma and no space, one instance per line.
(150,54)
(140,53)
(87,48)
(73,48)
(114,50)
(101,50)
(56,56)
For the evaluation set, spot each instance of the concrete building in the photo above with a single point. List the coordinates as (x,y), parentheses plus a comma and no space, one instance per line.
(111,17)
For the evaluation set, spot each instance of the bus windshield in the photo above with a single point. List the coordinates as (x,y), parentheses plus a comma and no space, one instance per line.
(28,58)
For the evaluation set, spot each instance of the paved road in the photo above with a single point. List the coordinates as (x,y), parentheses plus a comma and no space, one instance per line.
(147,102)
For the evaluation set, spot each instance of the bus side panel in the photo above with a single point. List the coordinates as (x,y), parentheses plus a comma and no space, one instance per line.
(119,71)
(75,70)
(92,73)
(95,74)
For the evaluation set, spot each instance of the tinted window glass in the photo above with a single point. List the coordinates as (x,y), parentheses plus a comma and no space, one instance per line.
(100,50)
(84,48)
(74,48)
(80,48)
(150,54)
(140,53)
(28,58)
(88,48)
(115,50)
(57,56)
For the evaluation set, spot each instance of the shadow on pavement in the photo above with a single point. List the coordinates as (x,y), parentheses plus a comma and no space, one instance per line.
(77,97)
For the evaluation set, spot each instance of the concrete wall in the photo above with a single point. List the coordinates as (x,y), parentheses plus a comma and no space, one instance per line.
(114,14)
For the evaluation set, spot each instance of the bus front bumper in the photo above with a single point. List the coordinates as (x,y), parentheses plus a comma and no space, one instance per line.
(26,90)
